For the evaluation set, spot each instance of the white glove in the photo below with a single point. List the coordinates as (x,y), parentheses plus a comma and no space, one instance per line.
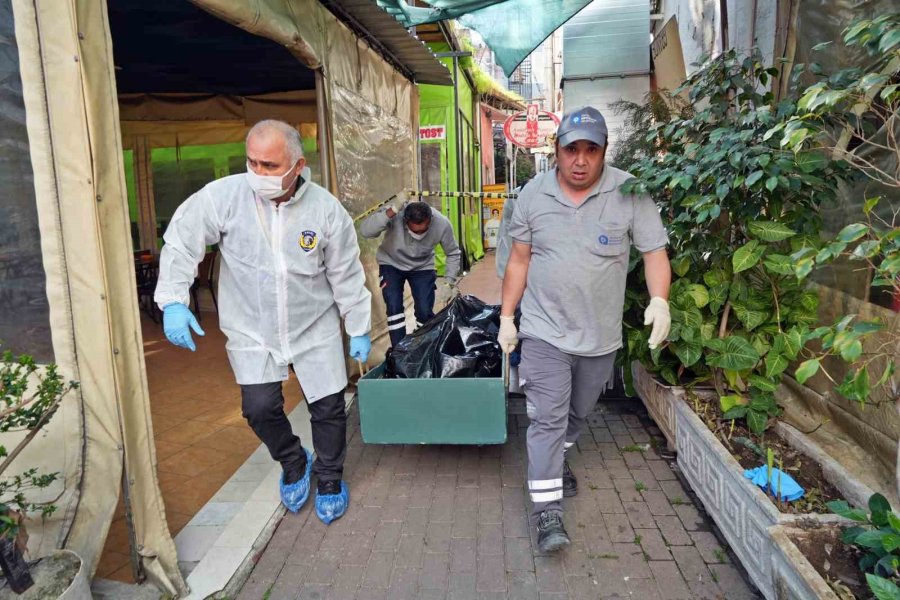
(508,336)
(396,206)
(657,314)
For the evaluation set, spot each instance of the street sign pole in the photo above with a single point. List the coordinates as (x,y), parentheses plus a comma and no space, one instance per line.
(459,162)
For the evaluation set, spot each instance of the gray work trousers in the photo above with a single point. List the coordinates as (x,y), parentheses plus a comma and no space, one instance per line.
(560,391)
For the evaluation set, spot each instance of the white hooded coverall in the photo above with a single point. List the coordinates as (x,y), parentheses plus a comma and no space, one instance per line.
(288,274)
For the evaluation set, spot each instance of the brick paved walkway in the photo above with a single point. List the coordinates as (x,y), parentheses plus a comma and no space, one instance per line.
(446,522)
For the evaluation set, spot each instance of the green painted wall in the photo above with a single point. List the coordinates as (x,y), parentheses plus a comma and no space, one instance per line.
(436,107)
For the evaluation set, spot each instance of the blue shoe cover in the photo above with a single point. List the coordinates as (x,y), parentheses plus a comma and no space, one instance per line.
(294,495)
(332,506)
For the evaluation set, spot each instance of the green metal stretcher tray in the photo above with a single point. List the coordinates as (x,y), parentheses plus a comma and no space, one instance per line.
(464,410)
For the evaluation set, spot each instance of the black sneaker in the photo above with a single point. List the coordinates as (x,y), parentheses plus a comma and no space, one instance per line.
(570,482)
(295,471)
(551,534)
(327,488)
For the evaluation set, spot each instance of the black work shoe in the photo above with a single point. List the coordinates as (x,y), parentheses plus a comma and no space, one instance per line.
(551,534)
(294,472)
(570,482)
(327,488)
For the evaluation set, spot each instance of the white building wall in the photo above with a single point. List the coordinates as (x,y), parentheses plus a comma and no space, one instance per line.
(700,26)
(600,93)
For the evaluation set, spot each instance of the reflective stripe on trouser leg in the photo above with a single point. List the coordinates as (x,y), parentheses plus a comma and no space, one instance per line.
(392,282)
(590,377)
(545,490)
(547,372)
(396,326)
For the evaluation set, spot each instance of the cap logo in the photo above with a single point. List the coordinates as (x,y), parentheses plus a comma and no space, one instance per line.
(586,118)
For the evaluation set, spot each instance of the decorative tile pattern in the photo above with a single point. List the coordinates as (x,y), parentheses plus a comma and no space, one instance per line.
(741,511)
(659,400)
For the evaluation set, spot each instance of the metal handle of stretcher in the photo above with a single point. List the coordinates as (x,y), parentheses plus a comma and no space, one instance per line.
(506,372)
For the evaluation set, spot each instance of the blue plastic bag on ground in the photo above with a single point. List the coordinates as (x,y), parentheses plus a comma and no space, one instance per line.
(781,481)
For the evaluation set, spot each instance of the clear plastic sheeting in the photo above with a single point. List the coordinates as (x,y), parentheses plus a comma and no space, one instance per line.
(822,21)
(373,152)
(863,438)
(459,341)
(25,327)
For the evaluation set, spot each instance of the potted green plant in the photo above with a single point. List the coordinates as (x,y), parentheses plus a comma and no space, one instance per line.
(30,395)
(739,206)
(633,146)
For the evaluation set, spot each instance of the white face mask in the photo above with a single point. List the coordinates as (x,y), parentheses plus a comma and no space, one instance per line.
(417,236)
(268,187)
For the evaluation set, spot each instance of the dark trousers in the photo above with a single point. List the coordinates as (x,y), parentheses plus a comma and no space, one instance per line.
(421,284)
(263,406)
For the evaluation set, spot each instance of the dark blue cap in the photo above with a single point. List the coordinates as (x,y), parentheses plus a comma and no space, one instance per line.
(584,123)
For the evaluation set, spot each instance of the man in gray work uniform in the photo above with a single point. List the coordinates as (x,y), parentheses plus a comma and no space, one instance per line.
(407,254)
(572,229)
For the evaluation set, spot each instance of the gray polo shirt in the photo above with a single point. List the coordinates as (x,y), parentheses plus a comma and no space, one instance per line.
(579,259)
(402,251)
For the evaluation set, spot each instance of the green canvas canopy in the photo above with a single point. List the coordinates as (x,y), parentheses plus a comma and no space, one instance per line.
(512,28)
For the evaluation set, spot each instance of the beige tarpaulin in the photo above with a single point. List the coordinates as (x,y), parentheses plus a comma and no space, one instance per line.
(72,118)
(75,145)
(293,107)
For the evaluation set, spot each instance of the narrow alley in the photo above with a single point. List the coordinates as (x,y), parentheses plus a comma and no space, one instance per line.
(434,522)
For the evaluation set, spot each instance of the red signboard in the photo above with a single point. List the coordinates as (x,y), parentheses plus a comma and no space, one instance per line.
(432,132)
(530,129)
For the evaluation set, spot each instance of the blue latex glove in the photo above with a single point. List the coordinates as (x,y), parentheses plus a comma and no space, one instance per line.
(176,319)
(790,489)
(360,346)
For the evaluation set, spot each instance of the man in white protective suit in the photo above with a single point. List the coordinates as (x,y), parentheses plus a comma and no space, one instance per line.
(290,272)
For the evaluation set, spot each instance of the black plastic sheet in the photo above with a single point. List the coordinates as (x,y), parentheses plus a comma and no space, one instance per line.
(460,341)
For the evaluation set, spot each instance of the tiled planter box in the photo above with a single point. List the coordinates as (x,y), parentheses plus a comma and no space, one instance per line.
(741,510)
(744,514)
(793,578)
(660,400)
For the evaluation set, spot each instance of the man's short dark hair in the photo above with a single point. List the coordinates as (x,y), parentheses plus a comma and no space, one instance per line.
(417,213)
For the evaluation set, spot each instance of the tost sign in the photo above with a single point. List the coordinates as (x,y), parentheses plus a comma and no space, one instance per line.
(530,129)
(432,132)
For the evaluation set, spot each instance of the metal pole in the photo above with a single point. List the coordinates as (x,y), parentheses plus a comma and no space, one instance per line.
(419,161)
(459,165)
(322,124)
(459,183)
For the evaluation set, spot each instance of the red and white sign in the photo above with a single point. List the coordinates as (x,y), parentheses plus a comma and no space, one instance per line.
(433,132)
(530,129)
